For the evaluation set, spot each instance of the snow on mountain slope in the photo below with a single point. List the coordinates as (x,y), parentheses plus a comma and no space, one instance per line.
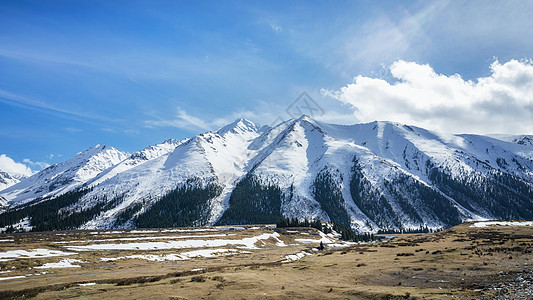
(379,175)
(307,149)
(461,159)
(6,180)
(65,176)
(290,162)
(230,156)
(525,140)
(411,147)
(218,156)
(148,153)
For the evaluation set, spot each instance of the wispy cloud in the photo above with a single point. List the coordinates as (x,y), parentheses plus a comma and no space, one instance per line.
(265,113)
(73,129)
(42,106)
(131,131)
(182,120)
(275,27)
(52,156)
(36,165)
(499,103)
(385,38)
(40,56)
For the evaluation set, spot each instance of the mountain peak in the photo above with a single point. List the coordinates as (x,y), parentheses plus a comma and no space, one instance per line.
(171,141)
(65,176)
(239,126)
(377,175)
(95,149)
(304,117)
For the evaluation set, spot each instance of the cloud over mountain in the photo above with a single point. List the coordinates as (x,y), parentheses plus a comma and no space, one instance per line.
(499,103)
(7,164)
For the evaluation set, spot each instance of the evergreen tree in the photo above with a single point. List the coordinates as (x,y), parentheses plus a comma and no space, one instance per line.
(329,195)
(186,205)
(251,202)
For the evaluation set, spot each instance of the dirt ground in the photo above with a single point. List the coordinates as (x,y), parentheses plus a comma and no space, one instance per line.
(462,262)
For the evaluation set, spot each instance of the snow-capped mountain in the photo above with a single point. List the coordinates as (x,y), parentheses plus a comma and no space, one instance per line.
(148,153)
(63,177)
(379,175)
(517,139)
(7,180)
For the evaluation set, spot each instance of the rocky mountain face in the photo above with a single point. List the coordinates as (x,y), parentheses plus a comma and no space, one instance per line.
(7,180)
(379,175)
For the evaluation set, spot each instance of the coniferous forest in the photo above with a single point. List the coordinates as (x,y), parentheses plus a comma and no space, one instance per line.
(186,205)
(252,203)
(53,214)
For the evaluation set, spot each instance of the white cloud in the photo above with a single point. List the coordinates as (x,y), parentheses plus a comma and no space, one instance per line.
(39,165)
(499,103)
(131,131)
(73,130)
(275,27)
(183,120)
(264,114)
(23,101)
(7,164)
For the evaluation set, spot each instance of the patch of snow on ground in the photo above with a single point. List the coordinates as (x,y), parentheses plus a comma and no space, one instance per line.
(87,284)
(344,244)
(36,274)
(279,242)
(144,231)
(295,257)
(181,256)
(324,239)
(196,270)
(189,230)
(502,223)
(211,252)
(13,277)
(33,253)
(247,243)
(231,228)
(148,238)
(64,263)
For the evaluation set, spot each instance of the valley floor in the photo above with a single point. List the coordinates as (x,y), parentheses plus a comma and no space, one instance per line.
(463,262)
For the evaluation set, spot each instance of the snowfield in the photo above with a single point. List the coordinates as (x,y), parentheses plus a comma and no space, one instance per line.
(32,253)
(502,223)
(205,253)
(245,243)
(64,263)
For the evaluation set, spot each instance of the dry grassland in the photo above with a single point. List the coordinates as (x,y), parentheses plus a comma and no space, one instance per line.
(461,262)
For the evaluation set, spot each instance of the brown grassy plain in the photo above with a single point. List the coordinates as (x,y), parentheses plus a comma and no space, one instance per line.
(461,262)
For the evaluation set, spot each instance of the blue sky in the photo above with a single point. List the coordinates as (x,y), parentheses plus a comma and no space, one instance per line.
(133,73)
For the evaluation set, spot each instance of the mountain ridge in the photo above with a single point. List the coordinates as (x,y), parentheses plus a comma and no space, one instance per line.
(373,176)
